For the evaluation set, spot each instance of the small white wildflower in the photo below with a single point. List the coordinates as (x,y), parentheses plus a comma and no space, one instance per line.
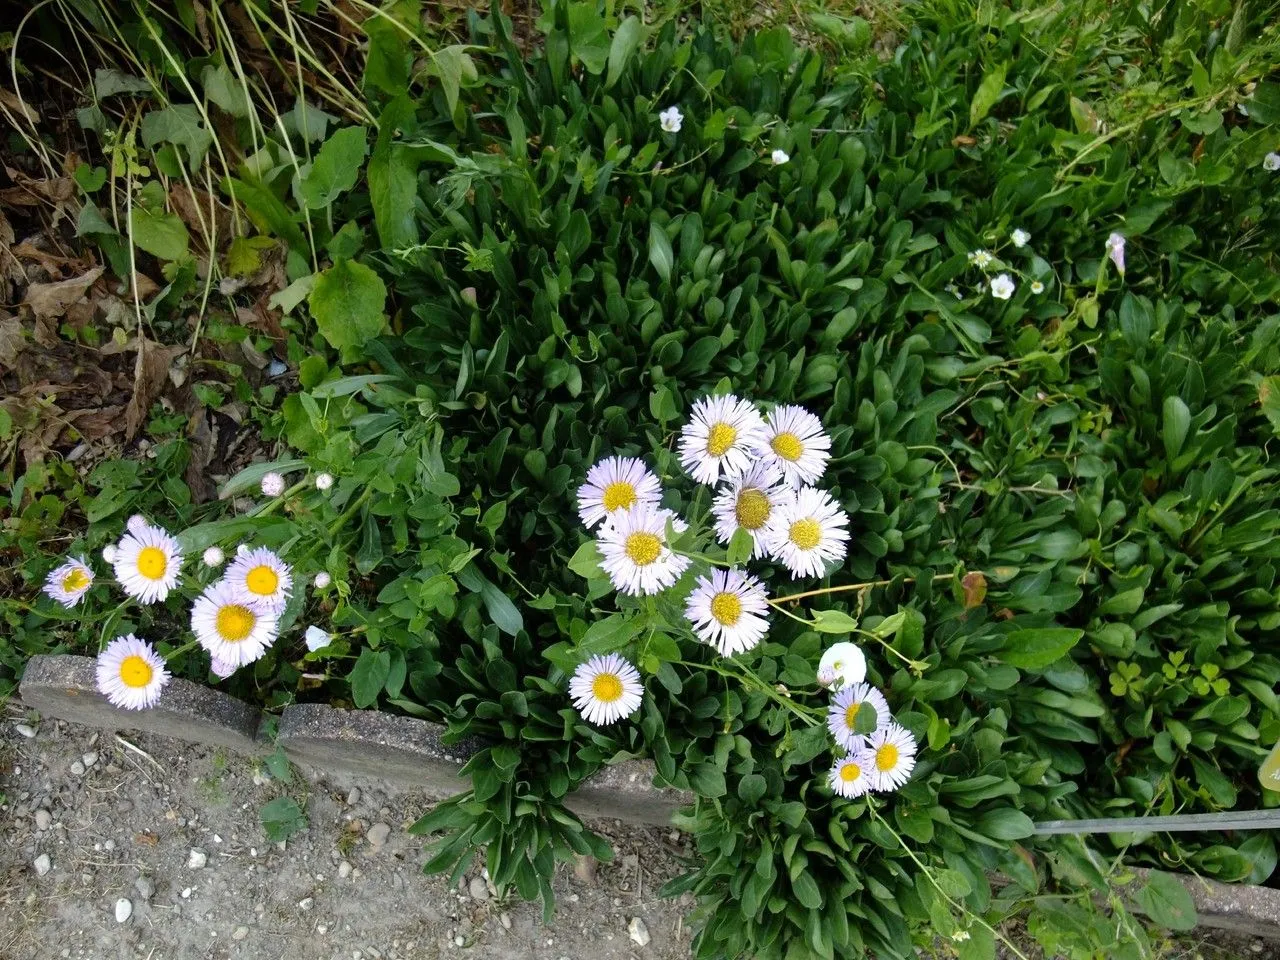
(952,289)
(1020,238)
(272,484)
(980,259)
(1271,162)
(779,157)
(109,553)
(1037,287)
(671,119)
(324,481)
(213,557)
(322,580)
(317,639)
(1002,286)
(1115,250)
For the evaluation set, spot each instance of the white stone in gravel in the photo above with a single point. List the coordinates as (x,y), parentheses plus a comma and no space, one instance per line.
(478,889)
(109,845)
(505,920)
(146,889)
(42,864)
(25,729)
(344,870)
(353,797)
(77,769)
(44,819)
(90,758)
(124,910)
(378,834)
(306,903)
(240,933)
(638,931)
(459,940)
(197,859)
(186,893)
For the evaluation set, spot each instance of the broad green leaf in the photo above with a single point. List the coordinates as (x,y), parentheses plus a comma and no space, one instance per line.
(108,82)
(1005,824)
(1176,423)
(267,211)
(252,475)
(368,676)
(1166,901)
(988,92)
(505,615)
(282,818)
(626,40)
(287,299)
(751,788)
(160,234)
(226,90)
(336,167)
(1036,648)
(393,179)
(180,125)
(740,546)
(660,254)
(585,561)
(347,302)
(244,256)
(833,621)
(1269,400)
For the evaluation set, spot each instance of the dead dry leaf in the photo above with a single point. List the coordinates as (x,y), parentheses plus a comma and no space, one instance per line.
(30,192)
(12,340)
(19,107)
(149,376)
(50,300)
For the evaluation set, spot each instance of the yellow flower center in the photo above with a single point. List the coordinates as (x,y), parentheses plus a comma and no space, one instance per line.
(850,772)
(720,439)
(77,579)
(262,580)
(643,548)
(727,608)
(607,687)
(135,671)
(851,715)
(152,562)
(752,510)
(787,446)
(806,534)
(619,495)
(886,757)
(235,622)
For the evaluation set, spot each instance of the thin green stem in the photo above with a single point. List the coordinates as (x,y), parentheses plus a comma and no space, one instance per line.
(845,588)
(751,680)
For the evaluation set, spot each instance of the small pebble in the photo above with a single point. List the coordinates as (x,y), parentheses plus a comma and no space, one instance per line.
(146,889)
(306,903)
(353,797)
(44,819)
(109,845)
(344,870)
(124,910)
(638,931)
(90,758)
(505,920)
(77,769)
(25,729)
(42,864)
(240,933)
(197,859)
(459,940)
(378,834)
(478,889)
(186,893)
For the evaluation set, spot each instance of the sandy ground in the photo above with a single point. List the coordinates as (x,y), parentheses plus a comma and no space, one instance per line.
(174,832)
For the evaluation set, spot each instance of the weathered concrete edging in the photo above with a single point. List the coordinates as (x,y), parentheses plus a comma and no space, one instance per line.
(400,750)
(1241,908)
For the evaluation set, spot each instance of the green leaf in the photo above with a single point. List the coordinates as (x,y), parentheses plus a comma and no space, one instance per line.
(740,546)
(505,615)
(267,211)
(347,302)
(626,40)
(988,92)
(1269,400)
(109,82)
(368,676)
(1177,421)
(336,167)
(181,125)
(660,254)
(1166,902)
(160,234)
(226,90)
(612,633)
(1005,824)
(585,561)
(287,299)
(252,475)
(751,788)
(244,256)
(807,892)
(282,818)
(393,179)
(833,621)
(1036,648)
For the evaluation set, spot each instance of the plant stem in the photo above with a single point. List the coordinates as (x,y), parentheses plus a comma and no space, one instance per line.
(750,679)
(844,588)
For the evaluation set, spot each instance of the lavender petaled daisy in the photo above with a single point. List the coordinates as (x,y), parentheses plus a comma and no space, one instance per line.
(728,610)
(130,674)
(147,562)
(892,751)
(634,551)
(808,533)
(721,438)
(260,577)
(842,715)
(613,484)
(605,689)
(68,582)
(747,502)
(796,444)
(231,629)
(850,775)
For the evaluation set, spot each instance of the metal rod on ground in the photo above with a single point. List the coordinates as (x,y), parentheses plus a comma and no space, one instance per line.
(1242,820)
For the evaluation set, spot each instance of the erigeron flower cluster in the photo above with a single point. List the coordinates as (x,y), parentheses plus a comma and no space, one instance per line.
(763,468)
(235,618)
(880,759)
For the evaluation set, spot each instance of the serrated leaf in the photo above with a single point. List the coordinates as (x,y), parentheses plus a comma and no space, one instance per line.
(347,302)
(336,167)
(226,90)
(180,125)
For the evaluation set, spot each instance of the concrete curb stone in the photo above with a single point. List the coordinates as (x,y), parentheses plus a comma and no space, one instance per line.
(1243,908)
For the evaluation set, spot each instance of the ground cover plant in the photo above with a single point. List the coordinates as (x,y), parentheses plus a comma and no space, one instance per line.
(1021,269)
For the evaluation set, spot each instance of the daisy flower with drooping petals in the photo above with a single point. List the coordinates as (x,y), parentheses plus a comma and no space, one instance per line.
(260,577)
(721,438)
(69,582)
(796,444)
(605,689)
(221,668)
(1271,162)
(807,533)
(729,610)
(613,484)
(316,638)
(324,481)
(1115,250)
(1002,286)
(272,484)
(147,562)
(213,557)
(671,119)
(747,503)
(130,673)
(842,665)
(850,776)
(233,630)
(892,752)
(109,553)
(322,580)
(779,157)
(842,715)
(1020,238)
(634,551)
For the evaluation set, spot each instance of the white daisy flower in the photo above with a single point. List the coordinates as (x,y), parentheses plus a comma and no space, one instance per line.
(1115,250)
(130,673)
(797,445)
(322,580)
(842,665)
(1020,238)
(1271,162)
(69,582)
(808,533)
(109,553)
(605,689)
(892,752)
(213,557)
(1037,287)
(616,483)
(842,715)
(1002,286)
(324,481)
(671,119)
(147,562)
(729,610)
(779,157)
(635,553)
(721,438)
(221,668)
(272,484)
(136,524)
(316,638)
(850,776)
(231,629)
(262,578)
(747,502)
(980,259)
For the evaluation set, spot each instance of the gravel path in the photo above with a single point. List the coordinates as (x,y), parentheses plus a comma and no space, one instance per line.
(158,854)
